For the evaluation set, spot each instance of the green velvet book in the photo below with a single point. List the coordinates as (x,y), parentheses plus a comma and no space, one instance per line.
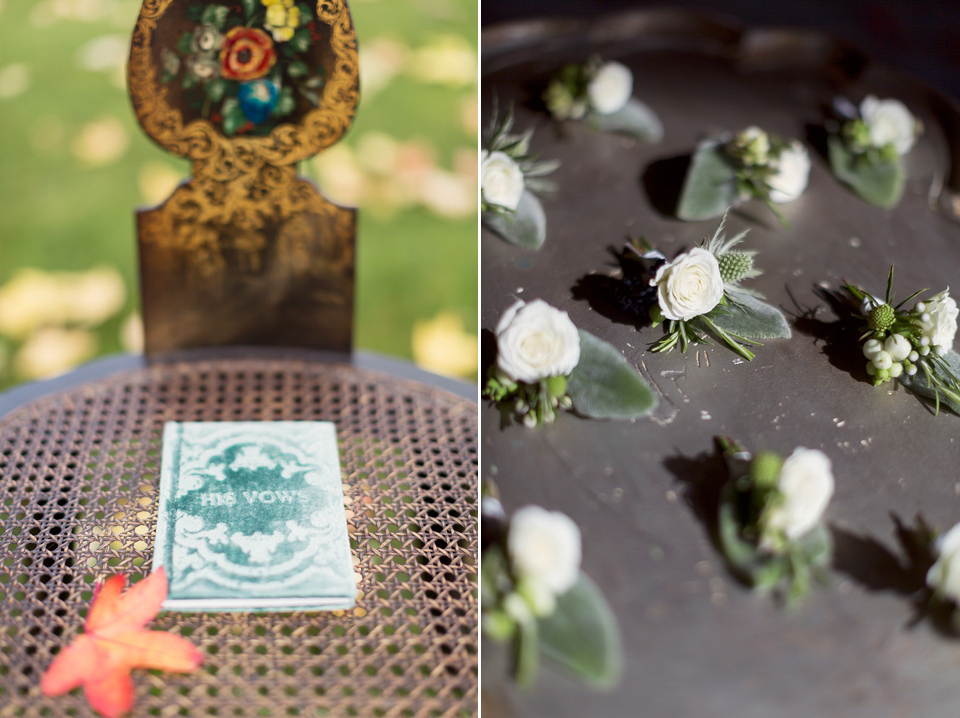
(251,517)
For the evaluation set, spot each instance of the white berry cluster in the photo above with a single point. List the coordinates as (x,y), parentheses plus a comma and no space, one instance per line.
(890,358)
(902,339)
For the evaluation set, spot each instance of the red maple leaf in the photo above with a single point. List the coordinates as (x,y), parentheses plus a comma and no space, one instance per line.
(115,641)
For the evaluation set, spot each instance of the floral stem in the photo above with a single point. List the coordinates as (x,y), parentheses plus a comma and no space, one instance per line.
(727,339)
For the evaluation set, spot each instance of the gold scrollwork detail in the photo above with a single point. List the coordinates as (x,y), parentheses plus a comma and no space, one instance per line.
(245,182)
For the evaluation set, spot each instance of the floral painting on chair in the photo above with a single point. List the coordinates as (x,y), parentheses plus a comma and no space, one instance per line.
(246,66)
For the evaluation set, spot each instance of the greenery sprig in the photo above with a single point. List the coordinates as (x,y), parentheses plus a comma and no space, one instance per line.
(510,177)
(914,345)
(499,137)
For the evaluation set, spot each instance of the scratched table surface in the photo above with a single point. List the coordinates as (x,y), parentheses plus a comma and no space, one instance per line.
(697,642)
(79,471)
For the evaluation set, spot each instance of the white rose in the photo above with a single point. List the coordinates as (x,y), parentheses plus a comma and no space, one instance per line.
(806,482)
(889,123)
(944,575)
(536,341)
(610,88)
(689,286)
(792,173)
(544,549)
(941,328)
(501,181)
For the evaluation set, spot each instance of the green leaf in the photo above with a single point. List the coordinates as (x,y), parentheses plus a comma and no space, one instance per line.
(918,382)
(233,117)
(185,44)
(583,636)
(750,317)
(525,228)
(215,15)
(635,120)
(285,103)
(250,8)
(297,69)
(604,385)
(817,545)
(301,40)
(879,183)
(741,556)
(710,187)
(216,90)
(306,13)
(526,651)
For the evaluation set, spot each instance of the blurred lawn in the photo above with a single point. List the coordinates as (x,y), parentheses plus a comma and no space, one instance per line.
(75,165)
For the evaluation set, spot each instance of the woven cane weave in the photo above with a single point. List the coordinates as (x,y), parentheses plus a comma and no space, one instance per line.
(78,490)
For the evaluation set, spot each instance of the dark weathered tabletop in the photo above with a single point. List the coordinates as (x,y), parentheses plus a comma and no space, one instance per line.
(696,642)
(78,488)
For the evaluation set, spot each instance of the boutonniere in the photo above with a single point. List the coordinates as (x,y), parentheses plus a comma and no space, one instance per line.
(602,94)
(536,598)
(914,346)
(698,295)
(544,363)
(866,146)
(728,170)
(770,521)
(509,176)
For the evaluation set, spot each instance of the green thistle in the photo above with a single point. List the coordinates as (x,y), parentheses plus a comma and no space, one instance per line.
(735,266)
(881,318)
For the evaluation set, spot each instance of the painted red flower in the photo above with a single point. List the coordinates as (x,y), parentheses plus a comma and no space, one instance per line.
(247,54)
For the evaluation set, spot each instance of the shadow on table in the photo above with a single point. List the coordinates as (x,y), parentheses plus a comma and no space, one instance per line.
(872,565)
(663,180)
(623,300)
(839,339)
(703,476)
(875,567)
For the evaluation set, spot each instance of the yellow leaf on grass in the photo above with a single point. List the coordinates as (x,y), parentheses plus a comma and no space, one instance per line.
(442,345)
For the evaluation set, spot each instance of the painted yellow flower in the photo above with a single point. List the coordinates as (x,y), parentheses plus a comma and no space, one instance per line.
(283,17)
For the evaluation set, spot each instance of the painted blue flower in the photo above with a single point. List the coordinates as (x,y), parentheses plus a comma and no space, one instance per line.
(257,99)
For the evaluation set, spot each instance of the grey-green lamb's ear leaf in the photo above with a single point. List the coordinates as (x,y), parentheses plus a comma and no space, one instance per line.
(635,119)
(752,318)
(918,382)
(710,187)
(605,386)
(817,545)
(583,636)
(879,183)
(526,227)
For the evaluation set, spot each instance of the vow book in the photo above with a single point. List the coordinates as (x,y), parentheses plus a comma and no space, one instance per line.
(251,517)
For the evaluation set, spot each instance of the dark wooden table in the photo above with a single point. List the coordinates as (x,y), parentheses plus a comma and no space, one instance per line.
(78,486)
(696,642)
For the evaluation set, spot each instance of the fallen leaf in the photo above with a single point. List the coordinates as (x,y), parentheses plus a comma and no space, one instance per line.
(115,641)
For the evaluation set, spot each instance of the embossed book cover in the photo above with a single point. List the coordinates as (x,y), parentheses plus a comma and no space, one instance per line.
(251,517)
